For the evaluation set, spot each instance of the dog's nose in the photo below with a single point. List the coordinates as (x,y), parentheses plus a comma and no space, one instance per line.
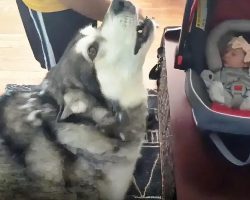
(121,5)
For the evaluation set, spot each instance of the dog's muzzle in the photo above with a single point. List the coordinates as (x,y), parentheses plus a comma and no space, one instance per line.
(144,30)
(119,6)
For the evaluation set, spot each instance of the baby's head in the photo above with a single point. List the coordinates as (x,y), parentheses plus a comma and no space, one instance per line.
(237,53)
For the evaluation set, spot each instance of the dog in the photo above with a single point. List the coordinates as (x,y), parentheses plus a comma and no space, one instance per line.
(81,129)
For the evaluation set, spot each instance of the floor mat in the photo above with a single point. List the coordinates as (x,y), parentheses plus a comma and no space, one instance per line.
(147,181)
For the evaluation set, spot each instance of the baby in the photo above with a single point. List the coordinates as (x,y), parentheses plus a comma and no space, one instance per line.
(231,85)
(237,53)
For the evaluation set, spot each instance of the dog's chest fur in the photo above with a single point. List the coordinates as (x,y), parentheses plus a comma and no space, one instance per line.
(70,152)
(128,91)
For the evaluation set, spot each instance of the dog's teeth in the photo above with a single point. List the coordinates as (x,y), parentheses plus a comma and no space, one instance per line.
(140,31)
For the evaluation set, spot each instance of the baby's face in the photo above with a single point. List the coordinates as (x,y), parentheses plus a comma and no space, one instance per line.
(234,58)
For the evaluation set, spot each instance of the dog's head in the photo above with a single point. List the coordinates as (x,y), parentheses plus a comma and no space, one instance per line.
(121,35)
(118,49)
(108,58)
(129,31)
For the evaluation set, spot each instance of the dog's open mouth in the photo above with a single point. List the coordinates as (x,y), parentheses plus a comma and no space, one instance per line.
(125,14)
(143,32)
(144,28)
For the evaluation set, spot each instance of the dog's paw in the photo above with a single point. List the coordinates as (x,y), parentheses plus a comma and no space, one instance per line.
(76,101)
(84,137)
(78,107)
(102,116)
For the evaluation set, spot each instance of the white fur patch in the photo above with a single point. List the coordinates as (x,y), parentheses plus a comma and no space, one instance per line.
(44,161)
(82,47)
(114,188)
(119,71)
(32,117)
(120,85)
(76,101)
(78,107)
(45,84)
(122,136)
(99,113)
(84,137)
(88,30)
(28,105)
(90,35)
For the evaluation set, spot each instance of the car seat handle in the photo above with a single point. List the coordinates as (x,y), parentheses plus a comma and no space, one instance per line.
(226,152)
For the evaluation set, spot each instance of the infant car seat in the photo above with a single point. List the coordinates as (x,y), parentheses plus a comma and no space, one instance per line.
(228,128)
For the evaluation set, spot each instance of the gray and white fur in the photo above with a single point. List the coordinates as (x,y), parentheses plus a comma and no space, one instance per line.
(58,133)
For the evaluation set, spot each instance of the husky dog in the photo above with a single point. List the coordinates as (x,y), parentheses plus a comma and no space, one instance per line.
(83,127)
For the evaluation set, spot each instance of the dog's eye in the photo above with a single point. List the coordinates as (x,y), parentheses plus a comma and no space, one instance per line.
(92,51)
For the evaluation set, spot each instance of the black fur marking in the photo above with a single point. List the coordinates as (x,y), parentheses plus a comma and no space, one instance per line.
(79,119)
(120,6)
(16,151)
(51,134)
(92,86)
(47,98)
(93,50)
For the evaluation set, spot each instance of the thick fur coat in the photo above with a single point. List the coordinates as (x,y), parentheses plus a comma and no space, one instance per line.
(82,128)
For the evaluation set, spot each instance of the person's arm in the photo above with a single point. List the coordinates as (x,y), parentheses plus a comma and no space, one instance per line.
(94,9)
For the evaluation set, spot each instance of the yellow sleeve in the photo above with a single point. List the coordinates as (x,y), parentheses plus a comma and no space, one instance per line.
(45,5)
